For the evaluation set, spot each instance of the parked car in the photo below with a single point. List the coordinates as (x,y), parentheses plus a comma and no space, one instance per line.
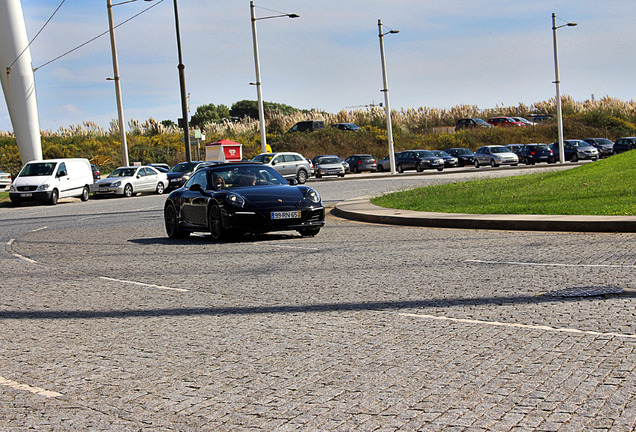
(604,146)
(495,155)
(574,150)
(129,181)
(307,126)
(464,156)
(163,167)
(242,198)
(419,160)
(530,154)
(288,164)
(329,165)
(449,161)
(540,117)
(96,173)
(624,144)
(385,164)
(469,123)
(505,121)
(312,169)
(524,121)
(5,180)
(514,148)
(179,174)
(346,127)
(51,179)
(361,162)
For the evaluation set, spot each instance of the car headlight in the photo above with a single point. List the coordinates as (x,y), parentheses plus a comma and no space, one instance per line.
(116,184)
(235,200)
(43,187)
(312,195)
(12,188)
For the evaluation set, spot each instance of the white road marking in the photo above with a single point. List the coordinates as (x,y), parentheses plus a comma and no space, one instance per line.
(527,326)
(143,284)
(17,255)
(550,264)
(39,229)
(287,246)
(37,390)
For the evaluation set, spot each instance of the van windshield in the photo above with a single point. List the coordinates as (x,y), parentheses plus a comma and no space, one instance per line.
(38,169)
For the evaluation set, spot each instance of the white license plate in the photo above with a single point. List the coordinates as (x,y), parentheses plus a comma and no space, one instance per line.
(286,215)
(26,195)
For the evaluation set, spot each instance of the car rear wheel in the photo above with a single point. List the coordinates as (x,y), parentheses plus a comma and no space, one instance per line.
(85,193)
(172,223)
(302,176)
(440,168)
(215,223)
(160,188)
(309,232)
(418,167)
(380,168)
(400,169)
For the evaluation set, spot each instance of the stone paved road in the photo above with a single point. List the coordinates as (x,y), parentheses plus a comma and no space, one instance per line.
(108,325)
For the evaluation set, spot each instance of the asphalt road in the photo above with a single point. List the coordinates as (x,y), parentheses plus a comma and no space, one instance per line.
(109,325)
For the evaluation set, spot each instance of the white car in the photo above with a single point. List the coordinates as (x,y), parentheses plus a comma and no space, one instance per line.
(128,181)
(5,179)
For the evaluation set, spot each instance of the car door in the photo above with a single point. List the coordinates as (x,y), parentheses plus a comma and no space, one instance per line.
(151,180)
(278,162)
(194,202)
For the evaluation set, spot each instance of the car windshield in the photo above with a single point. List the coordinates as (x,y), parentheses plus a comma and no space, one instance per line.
(603,141)
(440,153)
(37,169)
(424,153)
(230,177)
(183,167)
(329,160)
(263,158)
(499,149)
(462,151)
(578,143)
(123,172)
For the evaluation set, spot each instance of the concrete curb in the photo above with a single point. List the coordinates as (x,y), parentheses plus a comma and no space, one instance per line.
(361,209)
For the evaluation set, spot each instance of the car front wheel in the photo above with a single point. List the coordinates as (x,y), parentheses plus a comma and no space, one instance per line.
(128,190)
(215,223)
(476,163)
(309,232)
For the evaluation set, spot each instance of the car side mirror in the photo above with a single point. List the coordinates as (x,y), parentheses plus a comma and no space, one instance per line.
(61,174)
(292,181)
(196,187)
(273,162)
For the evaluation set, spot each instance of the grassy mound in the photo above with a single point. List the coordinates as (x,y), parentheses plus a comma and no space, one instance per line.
(605,187)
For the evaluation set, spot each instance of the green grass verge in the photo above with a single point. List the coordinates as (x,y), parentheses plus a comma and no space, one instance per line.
(605,187)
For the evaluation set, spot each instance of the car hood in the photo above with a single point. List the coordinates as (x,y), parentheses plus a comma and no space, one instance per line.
(267,196)
(111,179)
(172,175)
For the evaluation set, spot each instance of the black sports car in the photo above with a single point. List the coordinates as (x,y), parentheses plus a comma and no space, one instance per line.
(242,198)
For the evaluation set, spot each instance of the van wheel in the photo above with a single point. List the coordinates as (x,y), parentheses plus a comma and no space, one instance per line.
(128,190)
(54,196)
(85,193)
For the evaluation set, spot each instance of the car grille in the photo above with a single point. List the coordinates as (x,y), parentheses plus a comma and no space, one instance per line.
(27,188)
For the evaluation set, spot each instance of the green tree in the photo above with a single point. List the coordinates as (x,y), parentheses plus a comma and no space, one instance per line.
(209,113)
(249,108)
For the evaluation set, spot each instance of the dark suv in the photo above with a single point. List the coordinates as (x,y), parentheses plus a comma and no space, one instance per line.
(469,123)
(419,160)
(624,144)
(307,126)
(604,146)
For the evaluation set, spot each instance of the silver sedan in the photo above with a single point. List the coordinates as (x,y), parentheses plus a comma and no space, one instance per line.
(128,181)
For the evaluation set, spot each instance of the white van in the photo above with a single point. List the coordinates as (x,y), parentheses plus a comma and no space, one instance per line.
(49,180)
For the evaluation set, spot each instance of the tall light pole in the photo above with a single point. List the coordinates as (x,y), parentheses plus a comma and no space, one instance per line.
(557,82)
(259,94)
(184,95)
(385,89)
(120,108)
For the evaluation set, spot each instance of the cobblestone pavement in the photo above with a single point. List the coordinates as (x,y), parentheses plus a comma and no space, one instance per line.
(108,325)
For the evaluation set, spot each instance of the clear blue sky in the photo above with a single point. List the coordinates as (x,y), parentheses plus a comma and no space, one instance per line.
(474,52)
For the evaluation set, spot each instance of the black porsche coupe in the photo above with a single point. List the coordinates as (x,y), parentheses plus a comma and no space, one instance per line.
(242,197)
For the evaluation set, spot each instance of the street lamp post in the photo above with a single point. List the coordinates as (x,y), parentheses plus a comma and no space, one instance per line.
(259,94)
(557,82)
(182,86)
(120,108)
(385,90)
